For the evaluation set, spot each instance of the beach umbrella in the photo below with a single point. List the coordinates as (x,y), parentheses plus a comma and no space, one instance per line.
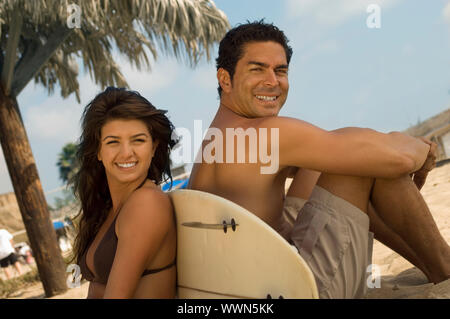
(58,225)
(44,39)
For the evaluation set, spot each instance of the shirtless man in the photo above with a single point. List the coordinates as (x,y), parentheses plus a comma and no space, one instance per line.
(364,175)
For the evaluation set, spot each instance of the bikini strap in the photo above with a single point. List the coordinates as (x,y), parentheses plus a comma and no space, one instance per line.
(153,271)
(120,207)
(141,184)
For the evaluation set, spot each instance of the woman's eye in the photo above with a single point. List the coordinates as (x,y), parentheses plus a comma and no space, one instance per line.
(140,140)
(111,142)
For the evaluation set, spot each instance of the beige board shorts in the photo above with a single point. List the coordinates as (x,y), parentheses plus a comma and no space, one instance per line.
(333,237)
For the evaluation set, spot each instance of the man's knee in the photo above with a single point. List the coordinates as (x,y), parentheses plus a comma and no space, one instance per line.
(354,189)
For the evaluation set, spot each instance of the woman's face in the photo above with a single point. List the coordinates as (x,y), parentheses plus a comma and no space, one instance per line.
(126,150)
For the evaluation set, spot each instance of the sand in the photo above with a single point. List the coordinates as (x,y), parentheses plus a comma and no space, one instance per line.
(399,279)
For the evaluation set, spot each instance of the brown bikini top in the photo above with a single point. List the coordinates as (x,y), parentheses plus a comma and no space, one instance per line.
(104,257)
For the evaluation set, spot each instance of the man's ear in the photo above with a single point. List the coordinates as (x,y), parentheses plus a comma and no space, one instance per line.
(224,80)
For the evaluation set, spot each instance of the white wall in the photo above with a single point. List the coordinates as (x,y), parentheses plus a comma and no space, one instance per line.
(446,141)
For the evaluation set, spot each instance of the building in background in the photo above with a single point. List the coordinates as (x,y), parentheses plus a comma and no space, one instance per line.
(436,128)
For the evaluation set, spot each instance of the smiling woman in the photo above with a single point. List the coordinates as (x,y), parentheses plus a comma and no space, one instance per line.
(126,150)
(126,244)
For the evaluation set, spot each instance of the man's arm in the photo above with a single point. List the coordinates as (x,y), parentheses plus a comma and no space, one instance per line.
(303,183)
(420,176)
(292,171)
(348,151)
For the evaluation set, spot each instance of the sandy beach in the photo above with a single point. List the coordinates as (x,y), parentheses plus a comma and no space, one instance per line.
(399,279)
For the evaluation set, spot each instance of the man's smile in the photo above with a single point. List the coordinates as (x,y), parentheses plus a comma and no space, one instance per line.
(266,97)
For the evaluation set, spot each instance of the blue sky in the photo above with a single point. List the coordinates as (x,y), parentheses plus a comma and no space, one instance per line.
(341,74)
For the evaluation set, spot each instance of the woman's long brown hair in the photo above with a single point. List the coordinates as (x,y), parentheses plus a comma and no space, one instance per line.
(89,183)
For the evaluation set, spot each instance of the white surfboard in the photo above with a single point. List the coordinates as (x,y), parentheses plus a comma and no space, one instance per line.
(224,251)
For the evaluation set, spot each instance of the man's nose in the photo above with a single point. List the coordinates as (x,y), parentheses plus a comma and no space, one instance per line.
(271,78)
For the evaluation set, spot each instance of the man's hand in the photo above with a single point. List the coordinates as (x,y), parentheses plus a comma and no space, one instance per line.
(421,175)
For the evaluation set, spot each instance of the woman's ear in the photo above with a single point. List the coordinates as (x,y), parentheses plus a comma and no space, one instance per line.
(224,80)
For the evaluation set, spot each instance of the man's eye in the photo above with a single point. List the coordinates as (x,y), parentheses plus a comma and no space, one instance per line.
(256,69)
(282,71)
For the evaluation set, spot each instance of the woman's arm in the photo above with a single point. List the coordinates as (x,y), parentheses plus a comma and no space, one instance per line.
(95,291)
(142,225)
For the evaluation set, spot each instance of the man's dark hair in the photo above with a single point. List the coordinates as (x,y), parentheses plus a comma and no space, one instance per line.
(231,46)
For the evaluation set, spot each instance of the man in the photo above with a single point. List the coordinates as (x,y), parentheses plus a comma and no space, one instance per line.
(365,175)
(7,253)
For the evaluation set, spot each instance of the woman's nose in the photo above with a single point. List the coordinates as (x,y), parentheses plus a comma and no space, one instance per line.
(126,149)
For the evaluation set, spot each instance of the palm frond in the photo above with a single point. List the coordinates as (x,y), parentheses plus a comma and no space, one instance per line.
(186,29)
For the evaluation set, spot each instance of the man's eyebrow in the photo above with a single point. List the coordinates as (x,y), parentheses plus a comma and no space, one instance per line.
(265,65)
(282,66)
(258,63)
(134,136)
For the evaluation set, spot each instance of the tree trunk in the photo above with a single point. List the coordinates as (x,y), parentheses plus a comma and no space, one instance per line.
(30,197)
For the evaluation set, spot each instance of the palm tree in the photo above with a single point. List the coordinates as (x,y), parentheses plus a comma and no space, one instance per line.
(67,162)
(36,42)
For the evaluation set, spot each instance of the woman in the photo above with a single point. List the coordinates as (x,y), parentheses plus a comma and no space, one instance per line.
(126,244)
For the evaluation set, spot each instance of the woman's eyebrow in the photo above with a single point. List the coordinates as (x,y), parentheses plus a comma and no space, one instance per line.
(117,137)
(140,134)
(110,136)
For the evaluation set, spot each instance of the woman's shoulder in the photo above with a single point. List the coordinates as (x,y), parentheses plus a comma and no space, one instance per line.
(150,192)
(147,214)
(148,201)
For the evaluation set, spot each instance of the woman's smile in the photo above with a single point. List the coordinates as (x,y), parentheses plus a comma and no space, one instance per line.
(126,151)
(127,166)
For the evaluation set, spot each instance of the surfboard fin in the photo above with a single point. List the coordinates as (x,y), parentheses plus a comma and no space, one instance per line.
(222,226)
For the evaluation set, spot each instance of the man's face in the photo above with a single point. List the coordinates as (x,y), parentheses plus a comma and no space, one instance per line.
(260,84)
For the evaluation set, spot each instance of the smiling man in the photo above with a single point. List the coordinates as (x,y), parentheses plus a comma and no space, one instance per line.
(357,181)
